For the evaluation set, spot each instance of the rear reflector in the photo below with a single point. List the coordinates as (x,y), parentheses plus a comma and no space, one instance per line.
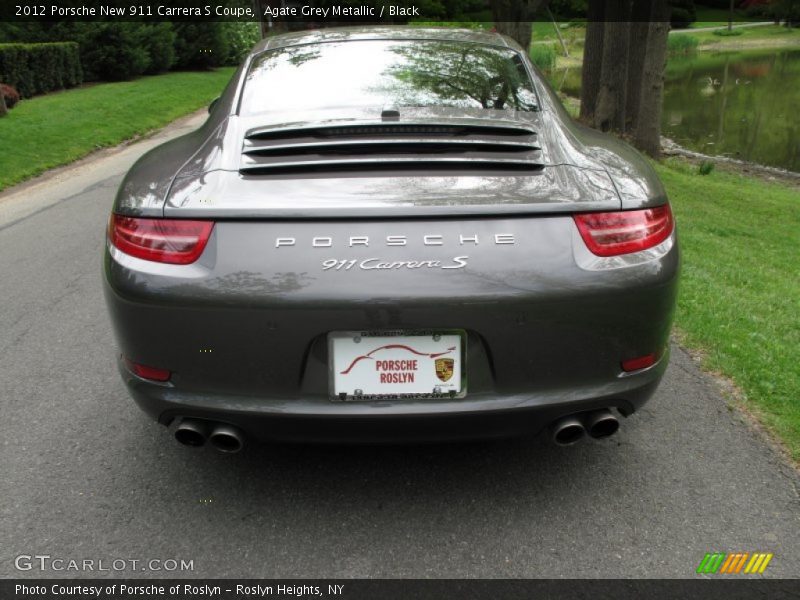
(170,241)
(640,362)
(623,232)
(152,373)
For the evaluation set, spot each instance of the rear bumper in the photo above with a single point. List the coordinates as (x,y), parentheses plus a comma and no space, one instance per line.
(244,330)
(325,421)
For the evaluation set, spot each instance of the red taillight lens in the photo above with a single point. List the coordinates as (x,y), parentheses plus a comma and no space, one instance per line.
(145,372)
(623,232)
(640,362)
(170,241)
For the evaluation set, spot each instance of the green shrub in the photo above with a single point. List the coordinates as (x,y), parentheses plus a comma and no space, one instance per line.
(728,32)
(239,39)
(199,45)
(682,44)
(568,9)
(158,40)
(705,167)
(543,56)
(112,51)
(40,68)
(109,50)
(682,14)
(765,10)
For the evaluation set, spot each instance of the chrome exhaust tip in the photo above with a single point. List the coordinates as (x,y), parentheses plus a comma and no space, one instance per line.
(567,431)
(192,432)
(601,424)
(226,438)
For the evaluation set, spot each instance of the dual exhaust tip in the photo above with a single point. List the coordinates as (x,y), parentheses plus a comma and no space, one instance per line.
(571,429)
(223,437)
(229,439)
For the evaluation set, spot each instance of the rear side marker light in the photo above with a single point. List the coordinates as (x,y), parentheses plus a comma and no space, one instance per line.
(640,362)
(623,232)
(145,372)
(172,241)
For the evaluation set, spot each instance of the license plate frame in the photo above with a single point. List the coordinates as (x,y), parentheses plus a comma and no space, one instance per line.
(342,349)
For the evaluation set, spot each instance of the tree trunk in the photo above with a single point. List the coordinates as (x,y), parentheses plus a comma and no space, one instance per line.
(647,136)
(519,31)
(610,110)
(259,10)
(592,60)
(730,16)
(3,108)
(640,29)
(514,18)
(266,24)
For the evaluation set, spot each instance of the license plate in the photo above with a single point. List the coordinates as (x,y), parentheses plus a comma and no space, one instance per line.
(366,366)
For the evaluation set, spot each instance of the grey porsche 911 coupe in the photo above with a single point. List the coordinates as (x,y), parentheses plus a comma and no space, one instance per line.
(390,234)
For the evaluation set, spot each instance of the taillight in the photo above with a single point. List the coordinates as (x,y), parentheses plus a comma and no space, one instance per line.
(640,362)
(623,232)
(145,372)
(172,241)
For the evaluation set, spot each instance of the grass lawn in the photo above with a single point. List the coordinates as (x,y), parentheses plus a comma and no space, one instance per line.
(740,292)
(55,129)
(768,36)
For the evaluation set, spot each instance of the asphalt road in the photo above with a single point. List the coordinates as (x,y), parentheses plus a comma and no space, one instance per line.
(84,474)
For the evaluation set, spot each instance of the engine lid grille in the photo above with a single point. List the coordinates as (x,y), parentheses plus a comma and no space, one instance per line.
(390,146)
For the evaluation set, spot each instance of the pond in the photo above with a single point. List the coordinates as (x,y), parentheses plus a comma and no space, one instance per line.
(744,105)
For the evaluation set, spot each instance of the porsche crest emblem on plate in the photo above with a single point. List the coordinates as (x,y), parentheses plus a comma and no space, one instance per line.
(444,368)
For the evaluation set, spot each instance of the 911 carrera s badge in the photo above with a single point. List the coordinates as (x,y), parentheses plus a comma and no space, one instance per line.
(372,264)
(444,368)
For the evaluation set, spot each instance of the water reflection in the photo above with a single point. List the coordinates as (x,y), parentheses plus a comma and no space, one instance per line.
(737,104)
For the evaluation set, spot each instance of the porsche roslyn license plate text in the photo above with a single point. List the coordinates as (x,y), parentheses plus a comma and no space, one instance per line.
(365,365)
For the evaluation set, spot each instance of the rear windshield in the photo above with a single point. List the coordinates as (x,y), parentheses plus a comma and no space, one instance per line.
(387,73)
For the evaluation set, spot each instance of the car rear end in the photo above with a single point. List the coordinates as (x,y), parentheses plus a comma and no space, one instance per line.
(392,274)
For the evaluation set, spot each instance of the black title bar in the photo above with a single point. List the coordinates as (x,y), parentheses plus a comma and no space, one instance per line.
(294,11)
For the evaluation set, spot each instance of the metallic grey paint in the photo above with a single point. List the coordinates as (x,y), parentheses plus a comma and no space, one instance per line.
(244,328)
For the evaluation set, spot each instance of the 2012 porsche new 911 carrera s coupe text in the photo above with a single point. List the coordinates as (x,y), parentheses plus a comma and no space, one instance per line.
(390,234)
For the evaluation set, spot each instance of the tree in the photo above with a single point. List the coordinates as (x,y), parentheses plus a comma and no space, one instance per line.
(266,24)
(789,10)
(199,45)
(641,13)
(647,130)
(623,69)
(3,109)
(514,18)
(158,40)
(682,13)
(239,39)
(609,113)
(111,51)
(730,15)
(493,81)
(592,60)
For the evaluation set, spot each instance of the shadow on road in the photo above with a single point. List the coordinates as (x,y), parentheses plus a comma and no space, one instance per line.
(374,476)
